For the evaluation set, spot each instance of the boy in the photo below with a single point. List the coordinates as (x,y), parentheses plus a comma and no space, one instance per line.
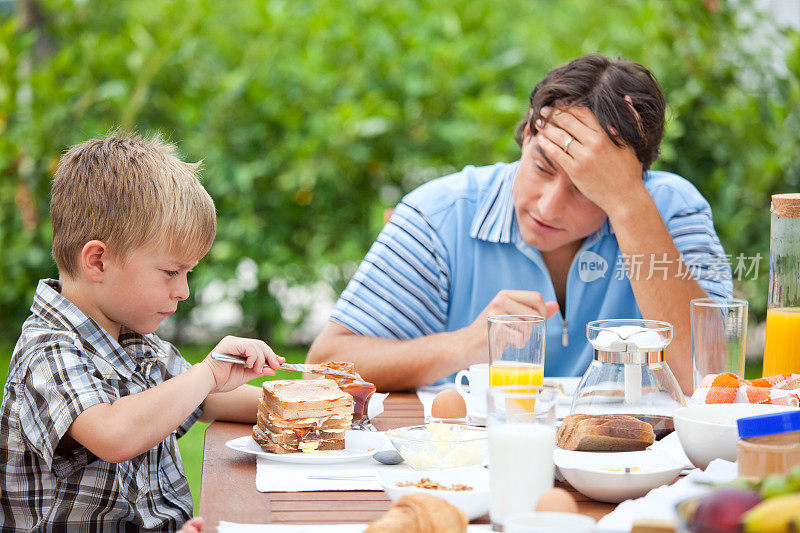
(94,402)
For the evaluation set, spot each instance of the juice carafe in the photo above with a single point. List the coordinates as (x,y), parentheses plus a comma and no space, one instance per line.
(782,349)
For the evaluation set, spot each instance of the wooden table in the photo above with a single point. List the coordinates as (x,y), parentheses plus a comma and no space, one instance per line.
(228,487)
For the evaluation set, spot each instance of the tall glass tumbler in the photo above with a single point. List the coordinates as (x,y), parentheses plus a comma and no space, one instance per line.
(516,349)
(719,331)
(522,437)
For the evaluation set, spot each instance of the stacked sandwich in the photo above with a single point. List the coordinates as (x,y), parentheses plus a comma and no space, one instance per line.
(303,416)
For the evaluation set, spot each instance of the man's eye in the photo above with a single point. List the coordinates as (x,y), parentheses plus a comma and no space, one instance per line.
(171,273)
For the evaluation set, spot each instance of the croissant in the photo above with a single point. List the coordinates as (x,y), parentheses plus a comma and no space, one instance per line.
(420,513)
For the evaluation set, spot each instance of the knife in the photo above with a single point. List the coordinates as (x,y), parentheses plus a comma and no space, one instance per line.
(294,367)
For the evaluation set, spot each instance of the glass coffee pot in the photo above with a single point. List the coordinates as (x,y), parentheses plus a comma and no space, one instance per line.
(629,375)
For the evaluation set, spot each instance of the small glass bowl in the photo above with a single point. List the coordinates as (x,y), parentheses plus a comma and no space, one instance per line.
(685,510)
(440,445)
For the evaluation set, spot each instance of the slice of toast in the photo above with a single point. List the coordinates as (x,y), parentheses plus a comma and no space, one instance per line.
(614,433)
(269,445)
(306,398)
(331,421)
(290,435)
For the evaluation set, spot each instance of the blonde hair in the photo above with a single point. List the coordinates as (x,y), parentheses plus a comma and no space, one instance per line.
(129,192)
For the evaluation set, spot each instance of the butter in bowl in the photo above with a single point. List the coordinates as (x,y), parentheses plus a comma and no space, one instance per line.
(440,445)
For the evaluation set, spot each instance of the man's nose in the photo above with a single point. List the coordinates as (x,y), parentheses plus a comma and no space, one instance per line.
(552,201)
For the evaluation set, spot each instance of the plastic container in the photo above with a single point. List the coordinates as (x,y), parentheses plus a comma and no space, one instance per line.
(768,444)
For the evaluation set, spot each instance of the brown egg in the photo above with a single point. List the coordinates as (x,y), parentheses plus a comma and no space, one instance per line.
(448,404)
(557,501)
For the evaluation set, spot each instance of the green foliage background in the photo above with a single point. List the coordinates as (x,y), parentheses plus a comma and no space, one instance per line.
(311,117)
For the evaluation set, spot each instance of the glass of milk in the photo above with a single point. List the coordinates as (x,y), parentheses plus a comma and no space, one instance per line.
(522,436)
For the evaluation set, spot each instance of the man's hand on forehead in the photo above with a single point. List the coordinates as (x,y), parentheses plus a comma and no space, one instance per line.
(576,123)
(573,139)
(572,115)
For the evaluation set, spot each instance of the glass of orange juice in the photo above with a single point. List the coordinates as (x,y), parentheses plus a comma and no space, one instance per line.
(782,350)
(516,349)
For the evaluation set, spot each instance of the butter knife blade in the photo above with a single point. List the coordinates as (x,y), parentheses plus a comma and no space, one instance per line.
(313,369)
(293,367)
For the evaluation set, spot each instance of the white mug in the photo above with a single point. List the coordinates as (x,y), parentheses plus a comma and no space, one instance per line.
(478,379)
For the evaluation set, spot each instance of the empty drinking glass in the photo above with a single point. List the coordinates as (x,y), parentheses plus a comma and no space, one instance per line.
(719,329)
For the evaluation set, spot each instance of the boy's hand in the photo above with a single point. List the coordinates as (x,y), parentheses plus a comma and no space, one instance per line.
(260,359)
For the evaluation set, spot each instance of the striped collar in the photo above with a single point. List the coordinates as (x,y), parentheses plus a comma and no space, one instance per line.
(495,219)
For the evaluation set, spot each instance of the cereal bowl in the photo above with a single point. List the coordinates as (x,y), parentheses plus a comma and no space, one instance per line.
(440,445)
(474,501)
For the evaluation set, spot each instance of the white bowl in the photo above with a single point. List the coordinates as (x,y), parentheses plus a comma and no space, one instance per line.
(708,431)
(475,502)
(602,476)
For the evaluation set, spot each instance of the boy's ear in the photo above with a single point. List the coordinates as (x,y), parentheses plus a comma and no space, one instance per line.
(93,259)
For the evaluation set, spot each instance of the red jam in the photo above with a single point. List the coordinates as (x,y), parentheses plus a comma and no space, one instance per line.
(361,391)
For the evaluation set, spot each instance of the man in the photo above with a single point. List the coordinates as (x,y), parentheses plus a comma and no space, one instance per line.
(577,230)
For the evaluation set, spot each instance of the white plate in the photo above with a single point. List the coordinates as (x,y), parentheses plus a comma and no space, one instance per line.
(568,384)
(475,502)
(602,476)
(232,527)
(357,445)
(477,416)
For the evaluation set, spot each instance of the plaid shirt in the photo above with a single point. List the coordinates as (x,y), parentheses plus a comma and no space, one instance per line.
(62,364)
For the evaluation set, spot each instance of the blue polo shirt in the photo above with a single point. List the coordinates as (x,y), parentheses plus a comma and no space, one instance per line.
(454,243)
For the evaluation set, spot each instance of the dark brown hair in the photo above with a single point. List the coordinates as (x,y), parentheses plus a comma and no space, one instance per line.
(601,84)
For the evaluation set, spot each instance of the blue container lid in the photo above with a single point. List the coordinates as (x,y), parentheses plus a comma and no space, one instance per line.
(756,426)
